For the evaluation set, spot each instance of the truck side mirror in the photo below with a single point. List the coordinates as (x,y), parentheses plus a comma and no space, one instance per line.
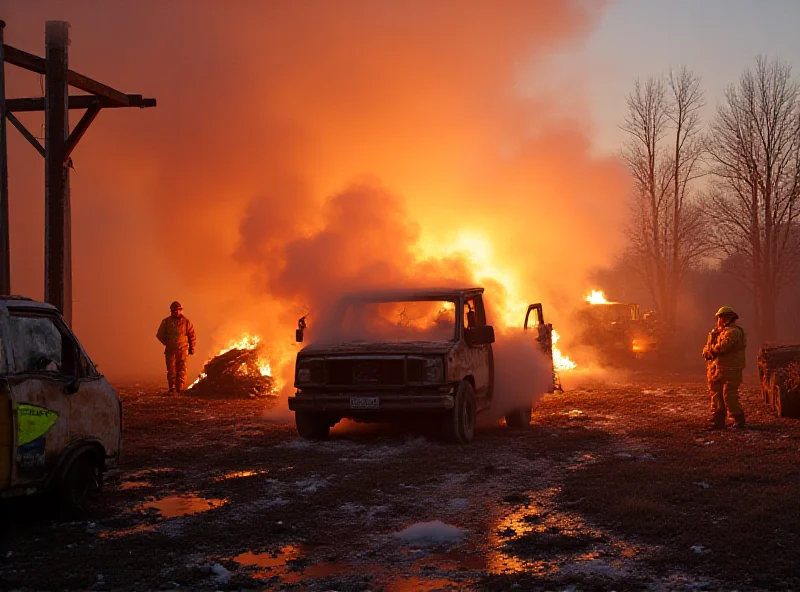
(72,387)
(479,335)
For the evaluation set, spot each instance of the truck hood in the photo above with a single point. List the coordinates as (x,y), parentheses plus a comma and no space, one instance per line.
(370,348)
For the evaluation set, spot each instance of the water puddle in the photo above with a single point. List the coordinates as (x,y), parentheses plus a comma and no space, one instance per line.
(241,474)
(173,506)
(135,484)
(288,564)
(115,534)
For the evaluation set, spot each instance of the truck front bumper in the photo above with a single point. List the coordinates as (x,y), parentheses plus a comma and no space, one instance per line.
(355,403)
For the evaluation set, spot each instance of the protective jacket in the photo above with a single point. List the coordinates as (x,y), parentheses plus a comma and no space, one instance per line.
(177,333)
(727,346)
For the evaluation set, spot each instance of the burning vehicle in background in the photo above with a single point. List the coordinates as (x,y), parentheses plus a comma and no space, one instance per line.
(618,332)
(388,356)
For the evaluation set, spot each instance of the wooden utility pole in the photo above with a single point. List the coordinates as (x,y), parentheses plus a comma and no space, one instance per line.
(57,235)
(5,252)
(59,144)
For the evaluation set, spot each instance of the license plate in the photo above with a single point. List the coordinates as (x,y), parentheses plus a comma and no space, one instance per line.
(364,402)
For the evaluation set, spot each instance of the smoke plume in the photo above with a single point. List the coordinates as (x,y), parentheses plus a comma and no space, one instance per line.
(305,148)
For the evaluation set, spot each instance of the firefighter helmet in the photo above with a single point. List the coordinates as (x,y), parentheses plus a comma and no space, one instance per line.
(726,311)
(175,305)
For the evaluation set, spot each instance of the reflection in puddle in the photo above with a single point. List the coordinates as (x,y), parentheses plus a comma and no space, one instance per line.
(539,542)
(135,484)
(287,564)
(182,505)
(114,534)
(241,474)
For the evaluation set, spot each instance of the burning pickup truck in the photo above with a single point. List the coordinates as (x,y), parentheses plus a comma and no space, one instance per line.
(382,357)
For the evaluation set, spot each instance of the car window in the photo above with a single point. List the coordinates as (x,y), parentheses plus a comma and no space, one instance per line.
(40,346)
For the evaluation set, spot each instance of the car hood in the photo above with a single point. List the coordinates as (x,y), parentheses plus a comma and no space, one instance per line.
(374,348)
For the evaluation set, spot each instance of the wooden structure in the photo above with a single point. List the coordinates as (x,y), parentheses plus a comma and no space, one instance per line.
(779,375)
(59,144)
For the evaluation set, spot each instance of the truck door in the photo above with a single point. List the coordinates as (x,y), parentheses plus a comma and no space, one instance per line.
(481,362)
(534,321)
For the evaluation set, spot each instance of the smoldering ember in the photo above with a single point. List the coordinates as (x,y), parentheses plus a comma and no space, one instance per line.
(399,296)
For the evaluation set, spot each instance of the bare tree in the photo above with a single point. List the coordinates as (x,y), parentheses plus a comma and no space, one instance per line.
(663,154)
(754,148)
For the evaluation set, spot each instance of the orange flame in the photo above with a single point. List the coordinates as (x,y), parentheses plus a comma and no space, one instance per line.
(560,361)
(597,297)
(245,342)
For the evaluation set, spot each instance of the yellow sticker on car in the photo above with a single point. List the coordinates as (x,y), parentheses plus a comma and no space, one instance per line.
(33,421)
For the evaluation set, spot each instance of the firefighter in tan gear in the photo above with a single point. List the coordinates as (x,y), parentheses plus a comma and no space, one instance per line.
(176,333)
(725,359)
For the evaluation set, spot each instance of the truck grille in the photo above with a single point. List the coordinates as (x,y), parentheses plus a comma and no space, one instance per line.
(360,372)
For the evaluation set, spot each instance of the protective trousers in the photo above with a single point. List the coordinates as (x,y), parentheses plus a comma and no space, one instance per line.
(724,391)
(177,363)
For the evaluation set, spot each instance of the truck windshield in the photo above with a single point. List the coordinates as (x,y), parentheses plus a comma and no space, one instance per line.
(397,321)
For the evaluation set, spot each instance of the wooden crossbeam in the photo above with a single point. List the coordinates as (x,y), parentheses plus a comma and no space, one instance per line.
(34,63)
(78,102)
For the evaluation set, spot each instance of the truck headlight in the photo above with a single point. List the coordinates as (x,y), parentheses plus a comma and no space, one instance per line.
(434,370)
(308,372)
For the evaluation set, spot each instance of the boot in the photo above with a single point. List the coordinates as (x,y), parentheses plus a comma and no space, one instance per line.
(717,421)
(738,422)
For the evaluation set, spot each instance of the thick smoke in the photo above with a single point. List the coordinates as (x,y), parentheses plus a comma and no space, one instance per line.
(304,149)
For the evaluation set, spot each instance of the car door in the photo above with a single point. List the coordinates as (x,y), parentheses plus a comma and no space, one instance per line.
(480,356)
(534,322)
(38,376)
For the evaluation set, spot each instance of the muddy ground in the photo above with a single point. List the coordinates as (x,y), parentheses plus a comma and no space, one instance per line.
(613,487)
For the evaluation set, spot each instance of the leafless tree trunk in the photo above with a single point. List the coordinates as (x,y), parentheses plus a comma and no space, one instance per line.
(663,153)
(754,147)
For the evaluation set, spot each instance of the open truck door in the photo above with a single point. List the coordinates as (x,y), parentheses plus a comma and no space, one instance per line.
(534,321)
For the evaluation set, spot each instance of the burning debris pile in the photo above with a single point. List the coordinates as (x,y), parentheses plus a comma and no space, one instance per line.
(240,370)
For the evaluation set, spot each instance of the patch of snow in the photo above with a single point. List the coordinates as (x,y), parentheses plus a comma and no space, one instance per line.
(698,549)
(703,484)
(430,533)
(311,485)
(624,456)
(221,575)
(646,457)
(454,478)
(458,504)
(654,392)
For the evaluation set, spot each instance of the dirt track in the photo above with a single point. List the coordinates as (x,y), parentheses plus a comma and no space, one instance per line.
(612,487)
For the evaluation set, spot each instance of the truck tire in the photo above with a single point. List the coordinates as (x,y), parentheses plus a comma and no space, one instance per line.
(519,418)
(312,426)
(80,482)
(458,424)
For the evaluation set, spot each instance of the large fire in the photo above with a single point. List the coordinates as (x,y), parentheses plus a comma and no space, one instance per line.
(597,297)
(478,249)
(246,342)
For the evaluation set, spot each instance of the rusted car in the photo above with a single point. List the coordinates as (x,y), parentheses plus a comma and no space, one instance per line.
(60,419)
(385,356)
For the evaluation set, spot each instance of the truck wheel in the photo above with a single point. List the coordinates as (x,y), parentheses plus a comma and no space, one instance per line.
(519,418)
(459,422)
(78,484)
(312,426)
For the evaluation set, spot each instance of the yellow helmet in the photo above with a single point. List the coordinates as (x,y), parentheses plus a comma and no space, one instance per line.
(726,311)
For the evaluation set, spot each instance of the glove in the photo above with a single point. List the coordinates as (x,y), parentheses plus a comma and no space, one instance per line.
(191,351)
